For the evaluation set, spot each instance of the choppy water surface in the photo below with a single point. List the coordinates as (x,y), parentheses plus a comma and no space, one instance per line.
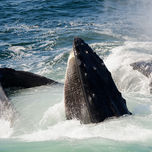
(37,36)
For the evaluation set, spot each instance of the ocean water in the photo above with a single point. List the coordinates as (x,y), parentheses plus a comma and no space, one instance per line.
(37,36)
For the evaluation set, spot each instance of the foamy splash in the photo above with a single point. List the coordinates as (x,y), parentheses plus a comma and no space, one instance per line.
(19,51)
(53,115)
(118,62)
(5,128)
(113,129)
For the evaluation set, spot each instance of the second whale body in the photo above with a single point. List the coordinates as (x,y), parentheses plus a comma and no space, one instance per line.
(13,79)
(144,67)
(90,94)
(10,78)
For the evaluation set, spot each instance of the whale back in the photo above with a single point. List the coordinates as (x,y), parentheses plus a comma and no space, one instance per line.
(22,79)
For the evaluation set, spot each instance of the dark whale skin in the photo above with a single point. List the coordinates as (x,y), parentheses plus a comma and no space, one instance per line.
(10,78)
(13,79)
(90,94)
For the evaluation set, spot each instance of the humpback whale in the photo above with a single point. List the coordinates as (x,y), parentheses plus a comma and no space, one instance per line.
(145,67)
(90,94)
(10,78)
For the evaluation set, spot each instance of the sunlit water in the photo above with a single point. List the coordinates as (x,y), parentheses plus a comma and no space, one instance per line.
(37,36)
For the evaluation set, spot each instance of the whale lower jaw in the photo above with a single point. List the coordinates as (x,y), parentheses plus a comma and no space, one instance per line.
(90,94)
(74,95)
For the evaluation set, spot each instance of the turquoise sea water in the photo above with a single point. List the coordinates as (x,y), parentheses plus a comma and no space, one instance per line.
(37,36)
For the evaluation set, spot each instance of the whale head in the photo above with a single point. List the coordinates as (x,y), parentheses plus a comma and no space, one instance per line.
(90,94)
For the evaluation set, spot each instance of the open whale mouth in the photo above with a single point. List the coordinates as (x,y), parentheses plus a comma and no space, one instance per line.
(90,92)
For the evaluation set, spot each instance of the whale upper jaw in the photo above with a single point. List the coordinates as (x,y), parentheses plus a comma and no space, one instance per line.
(90,94)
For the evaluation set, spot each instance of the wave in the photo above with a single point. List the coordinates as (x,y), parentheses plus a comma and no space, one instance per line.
(5,128)
(72,129)
(119,60)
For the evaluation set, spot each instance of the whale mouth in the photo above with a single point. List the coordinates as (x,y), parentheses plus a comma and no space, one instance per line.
(90,93)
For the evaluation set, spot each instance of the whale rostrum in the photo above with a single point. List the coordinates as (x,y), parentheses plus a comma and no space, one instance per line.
(90,94)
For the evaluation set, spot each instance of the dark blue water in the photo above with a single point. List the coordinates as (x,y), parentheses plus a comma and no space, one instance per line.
(34,32)
(37,36)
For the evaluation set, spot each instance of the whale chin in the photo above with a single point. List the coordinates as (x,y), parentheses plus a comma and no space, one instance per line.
(90,94)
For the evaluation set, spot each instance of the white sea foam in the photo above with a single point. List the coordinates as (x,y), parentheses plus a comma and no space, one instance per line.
(116,129)
(48,44)
(21,27)
(18,51)
(118,62)
(5,128)
(53,115)
(53,126)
